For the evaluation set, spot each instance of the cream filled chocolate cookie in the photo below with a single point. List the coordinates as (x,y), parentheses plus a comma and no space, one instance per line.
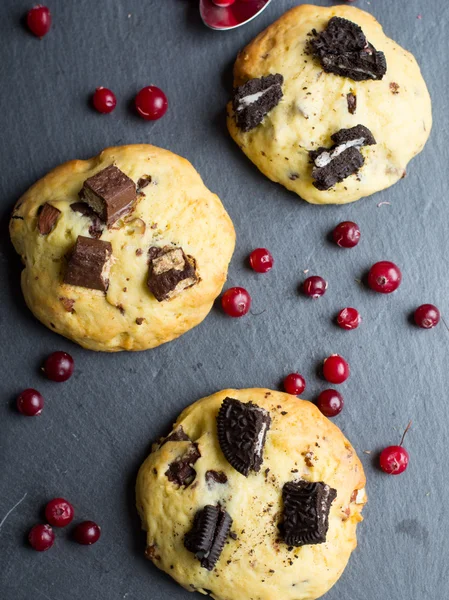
(253,494)
(317,72)
(125,251)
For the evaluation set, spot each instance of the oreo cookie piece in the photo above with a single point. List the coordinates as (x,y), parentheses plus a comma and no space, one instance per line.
(253,100)
(208,535)
(48,216)
(306,512)
(242,430)
(181,470)
(171,272)
(343,49)
(358,135)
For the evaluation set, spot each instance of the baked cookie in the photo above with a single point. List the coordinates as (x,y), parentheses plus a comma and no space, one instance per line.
(125,251)
(254,494)
(316,74)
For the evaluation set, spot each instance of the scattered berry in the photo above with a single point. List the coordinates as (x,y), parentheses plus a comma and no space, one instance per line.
(346,234)
(151,103)
(87,533)
(335,369)
(330,402)
(59,366)
(294,384)
(261,260)
(41,537)
(349,318)
(236,302)
(223,3)
(384,277)
(104,100)
(39,20)
(59,512)
(314,286)
(394,459)
(427,316)
(30,403)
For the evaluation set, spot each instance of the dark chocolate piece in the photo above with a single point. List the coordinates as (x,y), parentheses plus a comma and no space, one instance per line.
(171,272)
(352,103)
(178,435)
(208,535)
(96,229)
(242,430)
(181,471)
(47,218)
(253,100)
(343,49)
(216,477)
(110,193)
(306,512)
(89,264)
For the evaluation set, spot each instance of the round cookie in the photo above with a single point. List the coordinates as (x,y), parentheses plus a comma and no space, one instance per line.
(131,259)
(190,469)
(316,104)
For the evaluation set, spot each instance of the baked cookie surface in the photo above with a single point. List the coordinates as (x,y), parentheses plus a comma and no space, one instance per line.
(316,103)
(262,547)
(133,262)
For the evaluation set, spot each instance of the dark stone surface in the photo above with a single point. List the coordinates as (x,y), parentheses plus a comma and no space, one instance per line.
(97,428)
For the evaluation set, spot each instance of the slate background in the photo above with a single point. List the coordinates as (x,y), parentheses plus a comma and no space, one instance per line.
(96,429)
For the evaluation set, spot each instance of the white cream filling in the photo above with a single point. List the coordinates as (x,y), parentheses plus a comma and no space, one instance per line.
(251,98)
(326,157)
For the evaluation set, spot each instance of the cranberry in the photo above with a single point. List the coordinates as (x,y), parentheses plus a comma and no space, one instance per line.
(349,318)
(335,369)
(41,537)
(87,533)
(59,512)
(30,403)
(261,260)
(314,286)
(104,100)
(427,316)
(236,302)
(151,103)
(330,402)
(384,277)
(59,366)
(223,3)
(39,20)
(294,384)
(394,460)
(346,234)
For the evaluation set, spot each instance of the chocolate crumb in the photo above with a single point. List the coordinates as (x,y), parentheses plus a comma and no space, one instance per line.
(140,320)
(68,304)
(352,103)
(121,309)
(139,252)
(394,87)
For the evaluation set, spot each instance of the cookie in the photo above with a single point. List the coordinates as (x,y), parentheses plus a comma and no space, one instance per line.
(273,517)
(329,69)
(125,251)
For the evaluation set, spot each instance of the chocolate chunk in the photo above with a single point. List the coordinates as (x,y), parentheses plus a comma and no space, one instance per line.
(216,477)
(47,218)
(208,535)
(89,264)
(352,103)
(110,193)
(306,512)
(178,435)
(181,471)
(242,430)
(96,229)
(343,49)
(253,100)
(68,304)
(171,272)
(360,134)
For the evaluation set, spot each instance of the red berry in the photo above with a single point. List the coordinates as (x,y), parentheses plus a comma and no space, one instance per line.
(261,260)
(384,277)
(39,20)
(59,366)
(30,403)
(294,384)
(223,3)
(59,512)
(330,402)
(151,103)
(236,302)
(87,533)
(314,286)
(346,234)
(335,369)
(104,100)
(41,537)
(394,460)
(427,316)
(349,318)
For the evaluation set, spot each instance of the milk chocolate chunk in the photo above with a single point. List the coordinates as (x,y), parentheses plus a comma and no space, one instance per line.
(208,535)
(171,271)
(306,512)
(181,470)
(253,100)
(47,218)
(242,431)
(89,264)
(110,193)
